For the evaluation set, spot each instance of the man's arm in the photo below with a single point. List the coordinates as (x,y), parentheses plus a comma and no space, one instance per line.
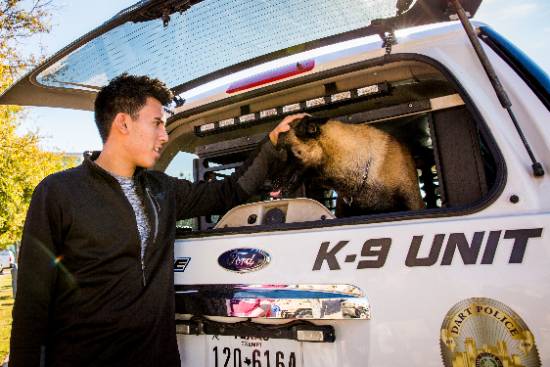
(203,198)
(35,278)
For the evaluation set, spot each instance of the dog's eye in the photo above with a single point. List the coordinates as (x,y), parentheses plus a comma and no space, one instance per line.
(312,129)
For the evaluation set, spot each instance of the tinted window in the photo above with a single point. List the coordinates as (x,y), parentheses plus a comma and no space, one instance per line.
(210,36)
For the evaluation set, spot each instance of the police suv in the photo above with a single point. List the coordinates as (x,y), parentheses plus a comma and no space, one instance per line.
(282,281)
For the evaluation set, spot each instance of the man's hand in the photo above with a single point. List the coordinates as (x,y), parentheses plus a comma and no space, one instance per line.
(284,126)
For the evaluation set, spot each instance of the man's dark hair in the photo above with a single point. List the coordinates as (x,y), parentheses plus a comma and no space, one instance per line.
(126,93)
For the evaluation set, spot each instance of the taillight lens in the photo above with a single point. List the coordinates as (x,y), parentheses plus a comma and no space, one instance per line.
(272,75)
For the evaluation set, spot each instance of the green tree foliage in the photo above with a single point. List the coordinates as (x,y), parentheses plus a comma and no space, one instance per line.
(20,20)
(22,163)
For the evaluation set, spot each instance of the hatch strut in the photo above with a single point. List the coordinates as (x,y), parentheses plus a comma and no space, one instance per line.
(388,40)
(538,170)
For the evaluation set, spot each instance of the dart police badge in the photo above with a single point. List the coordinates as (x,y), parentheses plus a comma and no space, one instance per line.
(482,332)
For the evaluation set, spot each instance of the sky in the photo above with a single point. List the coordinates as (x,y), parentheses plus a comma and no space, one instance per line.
(524,22)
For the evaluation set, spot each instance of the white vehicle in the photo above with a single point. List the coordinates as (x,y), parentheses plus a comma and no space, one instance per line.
(284,283)
(6,260)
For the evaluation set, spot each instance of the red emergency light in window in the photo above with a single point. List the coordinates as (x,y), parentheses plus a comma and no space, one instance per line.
(272,75)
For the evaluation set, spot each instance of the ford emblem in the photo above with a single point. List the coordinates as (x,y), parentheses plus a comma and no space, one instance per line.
(243,260)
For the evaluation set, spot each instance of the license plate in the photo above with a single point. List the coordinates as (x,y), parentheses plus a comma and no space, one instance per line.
(234,351)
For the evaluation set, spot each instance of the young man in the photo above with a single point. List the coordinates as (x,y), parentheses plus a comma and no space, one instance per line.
(95,284)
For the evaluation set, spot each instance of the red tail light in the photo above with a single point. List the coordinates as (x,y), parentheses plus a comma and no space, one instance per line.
(272,75)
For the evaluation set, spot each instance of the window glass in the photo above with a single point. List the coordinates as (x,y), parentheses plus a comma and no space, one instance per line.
(211,35)
(181,167)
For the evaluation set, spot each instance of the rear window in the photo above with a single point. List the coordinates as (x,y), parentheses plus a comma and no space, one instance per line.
(210,36)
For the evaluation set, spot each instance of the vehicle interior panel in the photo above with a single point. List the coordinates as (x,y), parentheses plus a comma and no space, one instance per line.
(412,101)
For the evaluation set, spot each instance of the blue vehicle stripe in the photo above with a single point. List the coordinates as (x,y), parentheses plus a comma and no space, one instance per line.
(530,72)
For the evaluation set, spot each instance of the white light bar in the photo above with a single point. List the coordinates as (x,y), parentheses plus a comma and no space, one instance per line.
(315,102)
(340,96)
(247,118)
(292,107)
(310,336)
(365,91)
(349,95)
(268,113)
(207,127)
(226,122)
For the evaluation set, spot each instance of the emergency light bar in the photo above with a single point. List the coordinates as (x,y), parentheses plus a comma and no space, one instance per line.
(309,105)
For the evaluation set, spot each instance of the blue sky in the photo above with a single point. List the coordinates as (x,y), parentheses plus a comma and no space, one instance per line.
(524,22)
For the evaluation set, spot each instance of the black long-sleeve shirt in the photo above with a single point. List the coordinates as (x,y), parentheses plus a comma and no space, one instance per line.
(82,292)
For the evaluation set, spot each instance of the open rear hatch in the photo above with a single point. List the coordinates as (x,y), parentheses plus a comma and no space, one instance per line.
(300,316)
(187,43)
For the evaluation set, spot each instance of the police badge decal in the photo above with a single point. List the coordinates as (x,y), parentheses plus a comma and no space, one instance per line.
(482,332)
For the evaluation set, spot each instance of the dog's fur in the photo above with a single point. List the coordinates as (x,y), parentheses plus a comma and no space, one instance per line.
(368,168)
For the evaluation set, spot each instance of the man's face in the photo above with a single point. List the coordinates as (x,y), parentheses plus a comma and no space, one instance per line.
(147,134)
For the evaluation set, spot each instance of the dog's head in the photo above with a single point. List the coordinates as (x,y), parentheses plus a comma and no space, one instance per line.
(303,140)
(304,153)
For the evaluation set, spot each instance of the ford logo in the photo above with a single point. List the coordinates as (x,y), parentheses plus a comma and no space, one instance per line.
(242,260)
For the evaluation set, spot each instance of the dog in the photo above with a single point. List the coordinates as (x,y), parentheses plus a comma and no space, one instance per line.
(371,171)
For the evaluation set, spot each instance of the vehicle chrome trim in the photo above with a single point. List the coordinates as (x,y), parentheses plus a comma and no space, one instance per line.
(274,301)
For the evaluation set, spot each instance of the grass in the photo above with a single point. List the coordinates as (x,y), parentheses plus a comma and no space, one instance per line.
(6,304)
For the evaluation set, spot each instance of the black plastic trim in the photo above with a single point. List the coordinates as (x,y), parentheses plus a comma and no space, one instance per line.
(289,330)
(492,195)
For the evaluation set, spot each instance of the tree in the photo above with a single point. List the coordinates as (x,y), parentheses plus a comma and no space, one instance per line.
(22,163)
(17,24)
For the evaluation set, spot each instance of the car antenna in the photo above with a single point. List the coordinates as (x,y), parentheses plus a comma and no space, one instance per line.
(538,170)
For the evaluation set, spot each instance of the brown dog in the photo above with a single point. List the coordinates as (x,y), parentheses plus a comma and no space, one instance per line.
(368,168)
